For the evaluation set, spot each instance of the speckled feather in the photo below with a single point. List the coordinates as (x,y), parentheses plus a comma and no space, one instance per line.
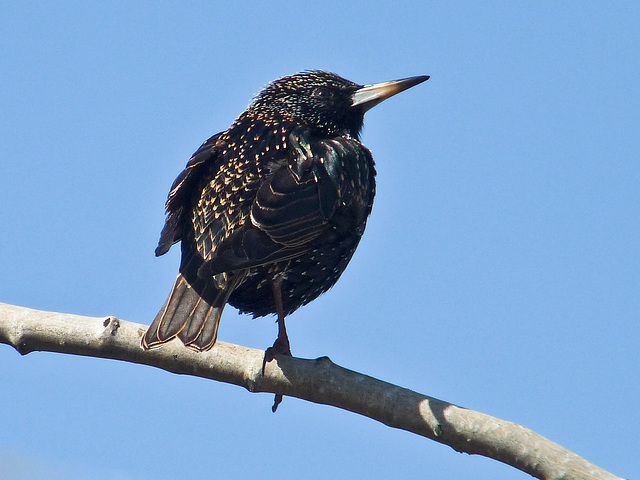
(280,198)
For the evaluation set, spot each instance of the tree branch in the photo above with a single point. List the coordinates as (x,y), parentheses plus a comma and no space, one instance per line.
(319,381)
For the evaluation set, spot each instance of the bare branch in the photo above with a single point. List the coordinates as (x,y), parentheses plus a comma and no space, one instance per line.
(319,381)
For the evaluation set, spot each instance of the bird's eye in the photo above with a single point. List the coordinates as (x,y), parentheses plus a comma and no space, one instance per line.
(320,92)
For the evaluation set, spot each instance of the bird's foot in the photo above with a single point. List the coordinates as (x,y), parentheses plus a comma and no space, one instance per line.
(277,400)
(280,347)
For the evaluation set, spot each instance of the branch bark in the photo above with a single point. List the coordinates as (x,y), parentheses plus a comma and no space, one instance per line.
(319,381)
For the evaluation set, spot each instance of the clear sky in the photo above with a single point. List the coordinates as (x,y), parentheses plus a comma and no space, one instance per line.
(500,269)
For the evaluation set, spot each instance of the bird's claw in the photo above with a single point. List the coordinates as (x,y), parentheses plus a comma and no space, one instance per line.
(280,347)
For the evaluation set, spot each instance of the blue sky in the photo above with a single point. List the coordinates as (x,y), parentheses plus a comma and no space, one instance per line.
(500,268)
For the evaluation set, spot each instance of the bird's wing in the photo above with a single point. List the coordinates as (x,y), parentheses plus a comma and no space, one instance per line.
(294,205)
(181,191)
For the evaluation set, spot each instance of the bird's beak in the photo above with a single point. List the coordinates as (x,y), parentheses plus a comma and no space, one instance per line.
(371,95)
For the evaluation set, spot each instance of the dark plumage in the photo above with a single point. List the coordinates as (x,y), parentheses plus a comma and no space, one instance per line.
(270,211)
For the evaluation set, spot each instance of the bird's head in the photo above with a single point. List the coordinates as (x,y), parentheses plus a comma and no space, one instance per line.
(324,101)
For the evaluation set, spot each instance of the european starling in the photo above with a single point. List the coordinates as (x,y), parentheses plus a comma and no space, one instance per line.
(270,211)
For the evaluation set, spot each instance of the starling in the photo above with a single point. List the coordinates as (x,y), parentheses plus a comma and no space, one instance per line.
(270,211)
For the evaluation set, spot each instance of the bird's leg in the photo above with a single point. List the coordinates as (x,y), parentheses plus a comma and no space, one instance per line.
(281,345)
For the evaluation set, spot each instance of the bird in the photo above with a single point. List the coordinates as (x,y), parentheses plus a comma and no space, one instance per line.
(270,211)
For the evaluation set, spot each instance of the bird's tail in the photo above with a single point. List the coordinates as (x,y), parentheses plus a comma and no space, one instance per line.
(191,316)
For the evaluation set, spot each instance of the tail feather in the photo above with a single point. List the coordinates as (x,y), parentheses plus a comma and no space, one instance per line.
(168,321)
(201,335)
(187,315)
(201,327)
